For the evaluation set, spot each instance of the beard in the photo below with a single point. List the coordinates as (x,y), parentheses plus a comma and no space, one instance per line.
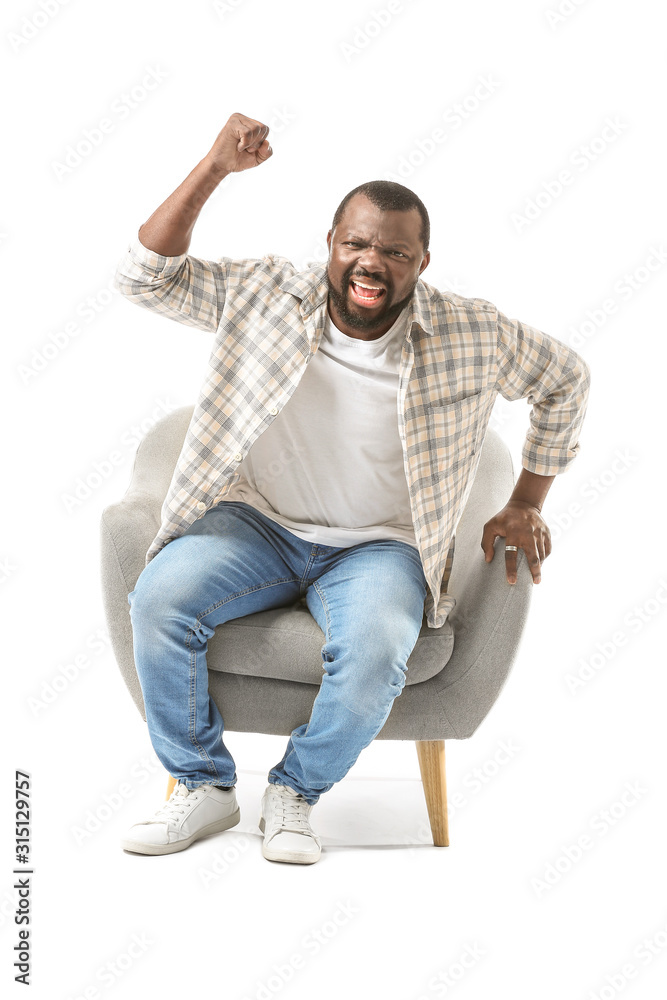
(388,312)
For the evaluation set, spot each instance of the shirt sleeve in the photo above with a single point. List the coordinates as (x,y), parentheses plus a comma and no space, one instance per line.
(555,380)
(184,288)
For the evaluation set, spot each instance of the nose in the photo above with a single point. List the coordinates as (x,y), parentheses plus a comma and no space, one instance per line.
(371,260)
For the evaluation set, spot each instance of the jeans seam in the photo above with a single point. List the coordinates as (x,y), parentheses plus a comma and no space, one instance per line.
(192,697)
(244,593)
(303,580)
(320,593)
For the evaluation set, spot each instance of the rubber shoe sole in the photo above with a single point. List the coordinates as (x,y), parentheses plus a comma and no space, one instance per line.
(293,857)
(180,845)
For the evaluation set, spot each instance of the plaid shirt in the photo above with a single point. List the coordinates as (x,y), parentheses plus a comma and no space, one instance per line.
(267,319)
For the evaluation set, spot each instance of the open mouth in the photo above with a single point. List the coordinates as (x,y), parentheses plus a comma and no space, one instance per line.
(365,293)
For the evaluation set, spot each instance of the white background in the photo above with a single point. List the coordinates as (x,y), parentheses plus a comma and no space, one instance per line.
(350,101)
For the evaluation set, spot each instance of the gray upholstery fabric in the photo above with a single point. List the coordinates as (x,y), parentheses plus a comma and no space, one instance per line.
(265,668)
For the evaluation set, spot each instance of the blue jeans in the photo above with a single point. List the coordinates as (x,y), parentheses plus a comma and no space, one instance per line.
(368,599)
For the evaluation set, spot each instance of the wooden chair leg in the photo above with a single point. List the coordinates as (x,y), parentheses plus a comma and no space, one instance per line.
(170,785)
(431,755)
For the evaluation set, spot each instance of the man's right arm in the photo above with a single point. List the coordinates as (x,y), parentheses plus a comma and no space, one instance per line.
(156,271)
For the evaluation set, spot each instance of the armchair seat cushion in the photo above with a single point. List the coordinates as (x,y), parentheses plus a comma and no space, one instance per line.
(286,644)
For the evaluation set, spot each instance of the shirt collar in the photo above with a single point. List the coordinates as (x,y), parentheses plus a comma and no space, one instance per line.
(310,286)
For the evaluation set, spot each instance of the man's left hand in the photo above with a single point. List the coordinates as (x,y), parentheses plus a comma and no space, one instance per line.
(520,524)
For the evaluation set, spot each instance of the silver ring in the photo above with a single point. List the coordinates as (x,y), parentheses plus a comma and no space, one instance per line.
(511,548)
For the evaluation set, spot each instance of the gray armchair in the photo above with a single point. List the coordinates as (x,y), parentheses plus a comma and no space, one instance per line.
(265,668)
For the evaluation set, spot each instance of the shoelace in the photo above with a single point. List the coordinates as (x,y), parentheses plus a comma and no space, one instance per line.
(291,814)
(178,802)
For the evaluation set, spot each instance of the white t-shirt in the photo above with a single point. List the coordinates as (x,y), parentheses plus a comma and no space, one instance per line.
(329,468)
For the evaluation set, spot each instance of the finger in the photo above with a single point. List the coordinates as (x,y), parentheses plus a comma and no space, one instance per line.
(246,140)
(256,138)
(510,564)
(489,536)
(264,151)
(535,564)
(251,136)
(545,545)
(531,550)
(249,123)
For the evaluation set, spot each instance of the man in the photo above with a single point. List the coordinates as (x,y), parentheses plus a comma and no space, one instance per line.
(329,458)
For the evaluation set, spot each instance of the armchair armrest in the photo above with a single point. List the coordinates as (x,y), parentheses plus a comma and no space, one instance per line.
(127,529)
(490,613)
(488,622)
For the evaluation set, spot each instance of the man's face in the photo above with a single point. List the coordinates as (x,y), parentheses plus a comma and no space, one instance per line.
(377,249)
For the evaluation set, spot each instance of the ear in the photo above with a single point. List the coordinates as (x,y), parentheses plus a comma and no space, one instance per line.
(329,235)
(425,261)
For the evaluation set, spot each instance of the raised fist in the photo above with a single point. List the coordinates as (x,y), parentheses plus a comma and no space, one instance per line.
(241,144)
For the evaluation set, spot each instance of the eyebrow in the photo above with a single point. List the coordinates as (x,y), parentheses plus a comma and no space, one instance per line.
(360,239)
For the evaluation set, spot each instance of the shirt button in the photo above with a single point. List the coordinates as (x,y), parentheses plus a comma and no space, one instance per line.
(238,456)
(201,505)
(273,411)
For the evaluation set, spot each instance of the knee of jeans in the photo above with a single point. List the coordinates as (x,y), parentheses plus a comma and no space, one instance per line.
(366,685)
(368,651)
(148,605)
(372,700)
(154,610)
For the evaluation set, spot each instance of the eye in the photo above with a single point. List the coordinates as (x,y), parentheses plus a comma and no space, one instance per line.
(356,243)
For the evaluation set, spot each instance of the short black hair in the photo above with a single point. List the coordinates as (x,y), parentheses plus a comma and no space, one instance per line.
(389,197)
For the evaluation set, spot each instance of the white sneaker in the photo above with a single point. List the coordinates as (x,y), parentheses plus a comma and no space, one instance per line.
(287,832)
(185,816)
